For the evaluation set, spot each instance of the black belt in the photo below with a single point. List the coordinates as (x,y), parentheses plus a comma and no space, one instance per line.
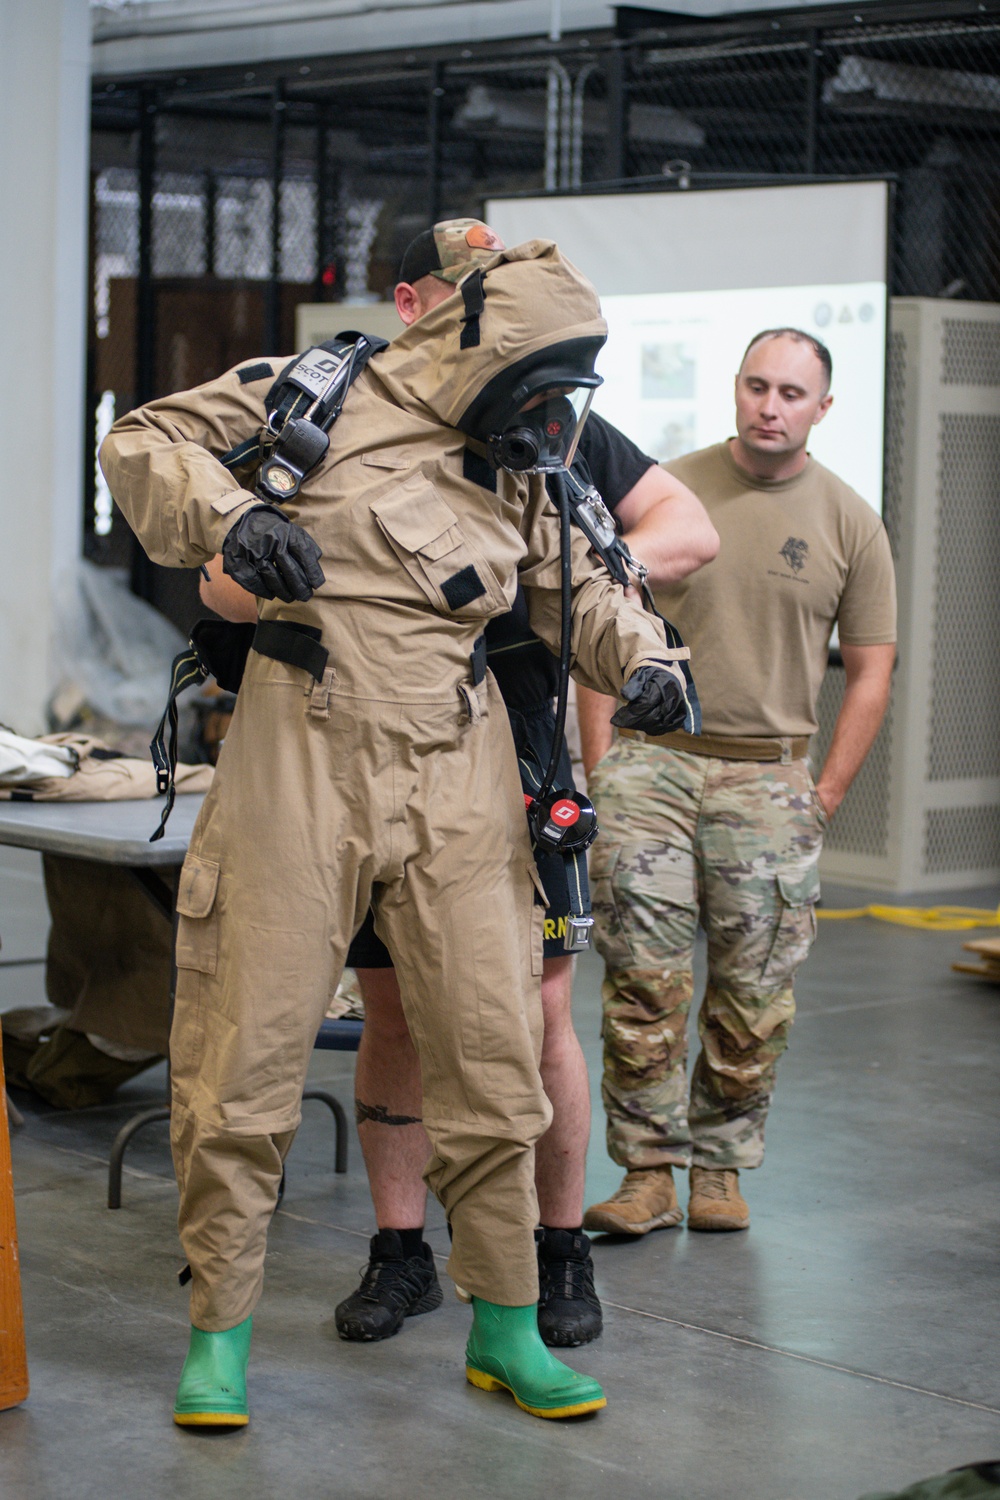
(296,645)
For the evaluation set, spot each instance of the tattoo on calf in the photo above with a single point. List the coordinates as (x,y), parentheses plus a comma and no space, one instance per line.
(381,1116)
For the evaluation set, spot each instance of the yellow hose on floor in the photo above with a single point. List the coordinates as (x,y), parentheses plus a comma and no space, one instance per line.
(930,918)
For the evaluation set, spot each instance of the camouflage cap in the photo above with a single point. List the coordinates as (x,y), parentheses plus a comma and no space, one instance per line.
(450,250)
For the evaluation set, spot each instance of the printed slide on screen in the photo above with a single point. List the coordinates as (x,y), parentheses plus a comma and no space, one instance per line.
(670,360)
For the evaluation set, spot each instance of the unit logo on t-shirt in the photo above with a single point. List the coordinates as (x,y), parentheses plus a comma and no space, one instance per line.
(795,551)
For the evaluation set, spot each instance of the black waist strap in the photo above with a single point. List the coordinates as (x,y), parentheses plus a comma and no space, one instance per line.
(296,645)
(477,660)
(221,649)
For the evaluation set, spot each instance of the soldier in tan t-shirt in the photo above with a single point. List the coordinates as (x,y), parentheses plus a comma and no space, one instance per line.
(728,826)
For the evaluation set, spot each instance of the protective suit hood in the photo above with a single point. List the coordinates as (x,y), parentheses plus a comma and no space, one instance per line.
(534,300)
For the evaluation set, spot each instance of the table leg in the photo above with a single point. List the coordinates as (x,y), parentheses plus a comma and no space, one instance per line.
(340,1126)
(115,1160)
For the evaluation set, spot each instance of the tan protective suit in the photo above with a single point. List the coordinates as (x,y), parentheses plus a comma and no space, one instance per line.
(394,781)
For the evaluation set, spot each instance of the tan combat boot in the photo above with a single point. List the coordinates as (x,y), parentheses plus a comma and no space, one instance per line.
(646,1200)
(716,1201)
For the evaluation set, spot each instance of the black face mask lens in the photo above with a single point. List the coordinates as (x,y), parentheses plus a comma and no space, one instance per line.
(542,438)
(515,450)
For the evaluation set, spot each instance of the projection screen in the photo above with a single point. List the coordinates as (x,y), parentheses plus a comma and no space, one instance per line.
(687,278)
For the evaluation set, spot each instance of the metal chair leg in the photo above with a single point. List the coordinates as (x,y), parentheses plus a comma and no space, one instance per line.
(340,1120)
(128,1130)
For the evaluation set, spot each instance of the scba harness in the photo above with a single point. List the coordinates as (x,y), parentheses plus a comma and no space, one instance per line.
(302,405)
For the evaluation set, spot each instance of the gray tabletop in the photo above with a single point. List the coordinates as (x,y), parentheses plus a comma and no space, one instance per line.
(113,832)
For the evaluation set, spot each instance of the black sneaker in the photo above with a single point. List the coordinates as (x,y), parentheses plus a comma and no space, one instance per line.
(391,1289)
(569,1312)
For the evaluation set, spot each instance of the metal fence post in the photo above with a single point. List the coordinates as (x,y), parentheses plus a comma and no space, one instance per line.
(434,96)
(145,302)
(615,161)
(272,304)
(815,52)
(143,574)
(211,189)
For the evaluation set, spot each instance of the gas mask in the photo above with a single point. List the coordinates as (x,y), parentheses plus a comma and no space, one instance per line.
(530,415)
(542,437)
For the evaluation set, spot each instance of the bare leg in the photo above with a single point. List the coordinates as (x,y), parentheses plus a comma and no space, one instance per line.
(388,1102)
(388,1084)
(561,1154)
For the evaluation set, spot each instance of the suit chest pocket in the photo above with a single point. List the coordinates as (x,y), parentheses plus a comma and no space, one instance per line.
(426,537)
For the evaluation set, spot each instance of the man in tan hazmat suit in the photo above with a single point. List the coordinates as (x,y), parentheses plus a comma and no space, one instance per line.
(386,775)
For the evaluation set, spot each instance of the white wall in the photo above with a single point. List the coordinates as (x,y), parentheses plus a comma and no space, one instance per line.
(45,127)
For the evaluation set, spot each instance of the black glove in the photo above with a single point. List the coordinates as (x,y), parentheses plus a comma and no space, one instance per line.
(654,702)
(268,554)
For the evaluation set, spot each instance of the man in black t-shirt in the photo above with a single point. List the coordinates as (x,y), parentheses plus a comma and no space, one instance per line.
(667,528)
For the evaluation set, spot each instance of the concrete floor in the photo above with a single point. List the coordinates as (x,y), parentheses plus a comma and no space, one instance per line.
(847,1343)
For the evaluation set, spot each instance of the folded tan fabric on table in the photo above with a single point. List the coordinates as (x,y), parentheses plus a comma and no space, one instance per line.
(101,775)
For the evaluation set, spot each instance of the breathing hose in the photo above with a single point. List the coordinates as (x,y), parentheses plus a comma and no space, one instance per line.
(557,489)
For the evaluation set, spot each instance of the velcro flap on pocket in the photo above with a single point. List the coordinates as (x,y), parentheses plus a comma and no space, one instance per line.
(536,881)
(197,887)
(800,890)
(417,518)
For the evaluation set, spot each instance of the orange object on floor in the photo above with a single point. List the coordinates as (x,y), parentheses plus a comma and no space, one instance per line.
(13,1356)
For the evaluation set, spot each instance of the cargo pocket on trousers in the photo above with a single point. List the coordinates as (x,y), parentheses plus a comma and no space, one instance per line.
(425,535)
(795,926)
(197,916)
(609,934)
(645,904)
(539,905)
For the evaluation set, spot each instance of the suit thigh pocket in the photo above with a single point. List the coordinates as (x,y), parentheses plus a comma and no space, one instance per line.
(198,916)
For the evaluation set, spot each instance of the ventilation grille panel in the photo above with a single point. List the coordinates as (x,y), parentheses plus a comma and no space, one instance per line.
(894,428)
(961,839)
(965,704)
(971,352)
(862,822)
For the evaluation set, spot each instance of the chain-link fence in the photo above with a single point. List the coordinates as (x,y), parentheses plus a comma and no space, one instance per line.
(224,199)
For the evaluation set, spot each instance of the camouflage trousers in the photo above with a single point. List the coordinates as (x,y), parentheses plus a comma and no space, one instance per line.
(735,844)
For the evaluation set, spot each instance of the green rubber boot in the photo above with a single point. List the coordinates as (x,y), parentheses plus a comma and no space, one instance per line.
(213,1388)
(505,1352)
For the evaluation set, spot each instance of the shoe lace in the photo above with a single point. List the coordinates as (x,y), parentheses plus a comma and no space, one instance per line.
(634,1184)
(570,1278)
(714,1184)
(394,1281)
(630,1188)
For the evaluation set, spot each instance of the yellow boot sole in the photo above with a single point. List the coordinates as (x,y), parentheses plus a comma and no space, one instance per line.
(484,1382)
(210,1419)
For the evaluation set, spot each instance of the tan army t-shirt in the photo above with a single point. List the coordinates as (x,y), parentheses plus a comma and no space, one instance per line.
(796,556)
